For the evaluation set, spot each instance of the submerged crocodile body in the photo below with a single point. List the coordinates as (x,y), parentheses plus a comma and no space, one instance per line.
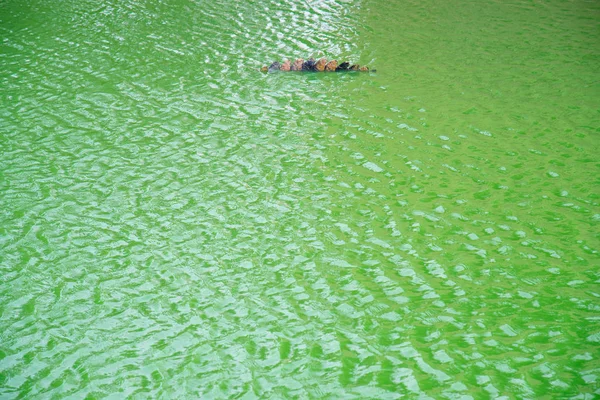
(315,66)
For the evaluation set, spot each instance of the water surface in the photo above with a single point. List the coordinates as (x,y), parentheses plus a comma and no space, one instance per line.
(175,224)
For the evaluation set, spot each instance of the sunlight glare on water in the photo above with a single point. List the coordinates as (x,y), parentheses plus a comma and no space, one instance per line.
(176,224)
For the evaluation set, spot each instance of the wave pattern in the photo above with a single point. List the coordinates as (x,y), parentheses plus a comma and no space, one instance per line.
(174,224)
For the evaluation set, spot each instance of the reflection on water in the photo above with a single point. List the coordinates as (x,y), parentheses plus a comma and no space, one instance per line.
(176,224)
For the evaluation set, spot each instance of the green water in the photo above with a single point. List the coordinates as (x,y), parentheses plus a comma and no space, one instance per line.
(175,224)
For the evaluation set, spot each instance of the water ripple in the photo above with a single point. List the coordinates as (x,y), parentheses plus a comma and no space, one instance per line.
(176,224)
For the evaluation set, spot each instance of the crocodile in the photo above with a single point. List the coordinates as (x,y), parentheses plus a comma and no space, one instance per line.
(321,65)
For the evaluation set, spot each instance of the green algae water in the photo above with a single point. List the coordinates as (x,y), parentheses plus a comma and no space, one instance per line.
(176,225)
